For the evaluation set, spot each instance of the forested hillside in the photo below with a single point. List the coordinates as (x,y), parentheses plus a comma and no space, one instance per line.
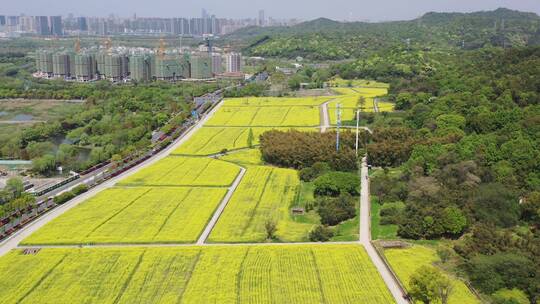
(467,158)
(324,39)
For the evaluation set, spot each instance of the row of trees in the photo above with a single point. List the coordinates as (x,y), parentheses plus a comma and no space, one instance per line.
(296,149)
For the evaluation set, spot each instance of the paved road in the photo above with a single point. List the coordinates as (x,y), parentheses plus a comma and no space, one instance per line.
(325,121)
(12,241)
(217,214)
(376,105)
(365,236)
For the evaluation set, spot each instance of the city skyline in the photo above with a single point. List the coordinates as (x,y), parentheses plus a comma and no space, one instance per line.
(280,9)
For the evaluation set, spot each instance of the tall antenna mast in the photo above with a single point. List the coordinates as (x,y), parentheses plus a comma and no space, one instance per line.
(357,127)
(338,116)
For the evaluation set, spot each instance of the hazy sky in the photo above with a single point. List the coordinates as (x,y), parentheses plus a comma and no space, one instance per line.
(373,10)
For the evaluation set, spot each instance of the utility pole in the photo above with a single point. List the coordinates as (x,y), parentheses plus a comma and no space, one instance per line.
(357,127)
(338,115)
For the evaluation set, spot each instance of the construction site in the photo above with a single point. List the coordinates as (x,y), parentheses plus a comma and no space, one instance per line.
(121,64)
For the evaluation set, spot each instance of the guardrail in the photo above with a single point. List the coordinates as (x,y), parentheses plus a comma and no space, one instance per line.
(394,275)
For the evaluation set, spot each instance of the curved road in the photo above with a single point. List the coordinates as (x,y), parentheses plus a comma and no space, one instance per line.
(12,241)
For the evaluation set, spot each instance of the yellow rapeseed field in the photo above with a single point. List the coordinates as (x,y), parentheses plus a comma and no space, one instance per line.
(266,116)
(265,193)
(184,171)
(406,261)
(276,101)
(134,215)
(244,157)
(240,274)
(212,140)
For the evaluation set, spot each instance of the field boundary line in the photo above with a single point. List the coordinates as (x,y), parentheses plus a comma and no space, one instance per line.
(188,279)
(172,212)
(254,115)
(183,161)
(36,285)
(209,140)
(246,226)
(129,278)
(240,275)
(118,212)
(217,214)
(317,270)
(240,135)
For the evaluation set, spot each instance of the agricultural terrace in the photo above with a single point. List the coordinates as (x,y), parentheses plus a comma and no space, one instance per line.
(405,263)
(217,274)
(134,215)
(184,171)
(265,193)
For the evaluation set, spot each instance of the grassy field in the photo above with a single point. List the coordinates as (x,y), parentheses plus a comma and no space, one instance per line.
(134,215)
(41,110)
(266,116)
(240,274)
(378,231)
(265,193)
(184,171)
(406,261)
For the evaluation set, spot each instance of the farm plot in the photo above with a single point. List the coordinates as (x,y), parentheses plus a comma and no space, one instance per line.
(357,83)
(385,106)
(212,140)
(269,116)
(265,193)
(405,262)
(239,274)
(134,215)
(184,171)
(276,101)
(245,157)
(351,101)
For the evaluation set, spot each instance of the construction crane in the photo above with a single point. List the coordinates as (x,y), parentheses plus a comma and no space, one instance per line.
(107,44)
(78,45)
(161,49)
(208,41)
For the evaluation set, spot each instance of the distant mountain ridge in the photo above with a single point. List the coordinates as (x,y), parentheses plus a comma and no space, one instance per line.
(501,27)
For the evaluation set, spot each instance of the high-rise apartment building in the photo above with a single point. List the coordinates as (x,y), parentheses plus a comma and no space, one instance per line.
(233,62)
(82,24)
(42,25)
(262,18)
(217,64)
(56,26)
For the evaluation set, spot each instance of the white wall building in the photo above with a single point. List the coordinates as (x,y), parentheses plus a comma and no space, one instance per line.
(233,62)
